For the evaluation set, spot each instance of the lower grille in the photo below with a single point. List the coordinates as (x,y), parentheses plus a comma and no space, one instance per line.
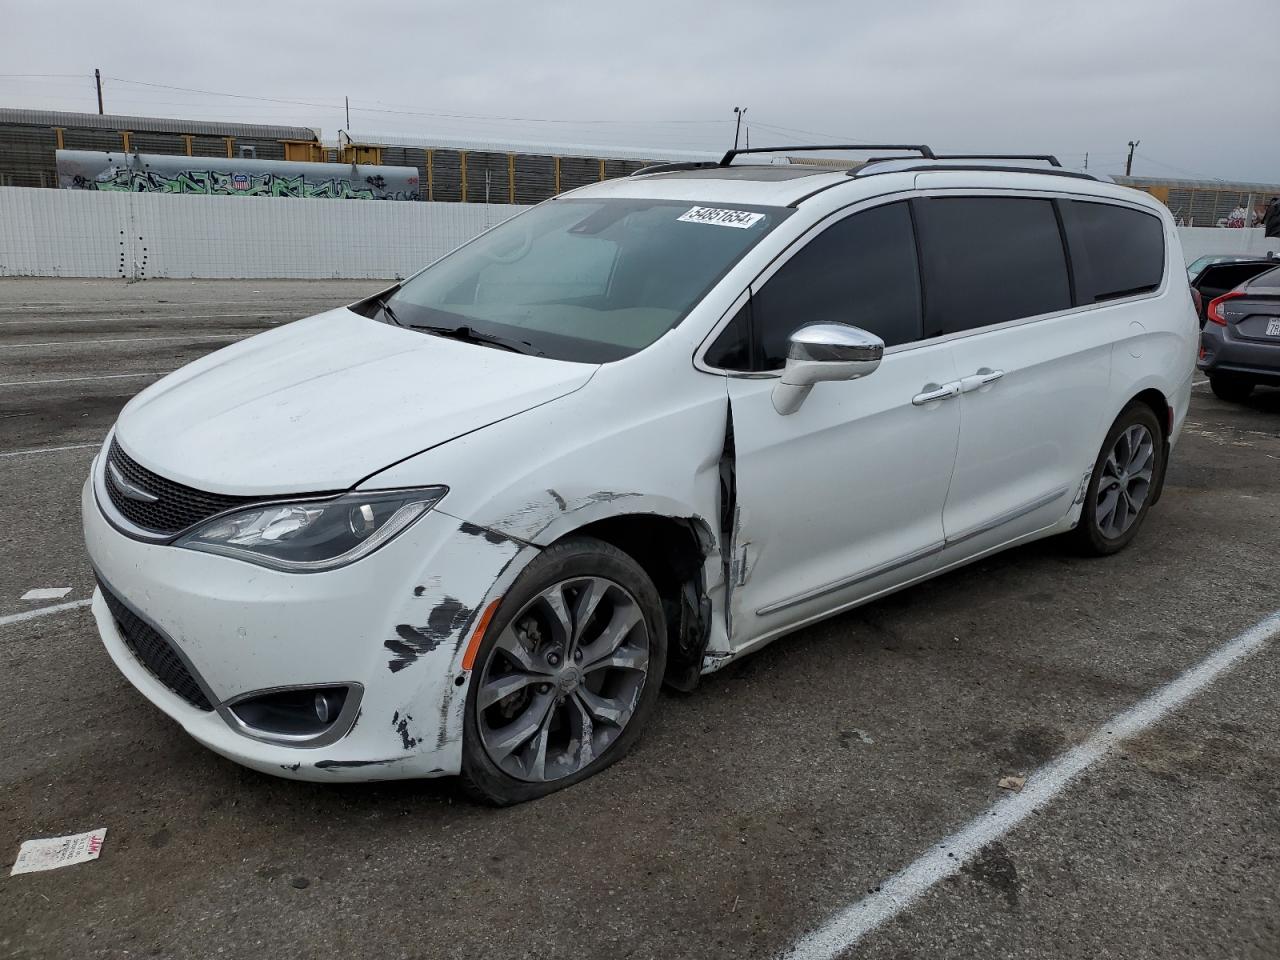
(154,651)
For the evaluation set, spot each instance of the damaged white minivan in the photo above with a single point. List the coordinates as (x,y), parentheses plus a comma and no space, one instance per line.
(471,525)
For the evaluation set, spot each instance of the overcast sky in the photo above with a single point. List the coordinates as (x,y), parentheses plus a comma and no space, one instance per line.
(1196,81)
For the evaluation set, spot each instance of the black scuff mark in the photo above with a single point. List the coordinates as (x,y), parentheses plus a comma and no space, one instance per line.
(419,591)
(359,714)
(558,499)
(332,764)
(401,726)
(291,767)
(446,618)
(490,536)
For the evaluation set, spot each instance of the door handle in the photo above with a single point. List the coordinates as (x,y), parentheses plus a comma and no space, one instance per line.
(983,378)
(933,392)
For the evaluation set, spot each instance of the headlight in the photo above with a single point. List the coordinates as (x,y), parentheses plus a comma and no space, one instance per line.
(308,536)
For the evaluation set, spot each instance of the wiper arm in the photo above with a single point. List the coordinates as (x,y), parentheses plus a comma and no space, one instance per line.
(468,335)
(384,303)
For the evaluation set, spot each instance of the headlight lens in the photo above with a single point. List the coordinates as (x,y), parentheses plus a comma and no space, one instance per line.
(306,537)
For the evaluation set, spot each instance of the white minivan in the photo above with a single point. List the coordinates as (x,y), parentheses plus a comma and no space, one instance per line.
(472,524)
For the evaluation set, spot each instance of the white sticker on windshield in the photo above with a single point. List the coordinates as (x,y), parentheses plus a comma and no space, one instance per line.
(742,219)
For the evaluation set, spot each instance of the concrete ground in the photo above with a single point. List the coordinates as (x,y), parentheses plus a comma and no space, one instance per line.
(788,786)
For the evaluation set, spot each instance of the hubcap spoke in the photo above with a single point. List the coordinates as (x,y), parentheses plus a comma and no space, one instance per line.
(499,689)
(563,680)
(1126,479)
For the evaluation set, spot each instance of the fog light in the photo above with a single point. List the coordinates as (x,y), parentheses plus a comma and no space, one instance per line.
(297,714)
(328,704)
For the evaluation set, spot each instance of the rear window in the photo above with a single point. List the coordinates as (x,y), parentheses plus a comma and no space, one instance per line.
(1115,251)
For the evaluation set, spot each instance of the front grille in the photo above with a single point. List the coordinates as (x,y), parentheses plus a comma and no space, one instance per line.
(154,651)
(178,506)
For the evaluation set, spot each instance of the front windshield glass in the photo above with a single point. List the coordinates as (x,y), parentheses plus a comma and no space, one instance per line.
(586,280)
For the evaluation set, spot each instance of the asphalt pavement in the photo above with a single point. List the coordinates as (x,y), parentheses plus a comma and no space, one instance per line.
(787,787)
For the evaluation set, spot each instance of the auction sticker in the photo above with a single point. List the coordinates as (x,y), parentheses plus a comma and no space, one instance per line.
(53,852)
(742,219)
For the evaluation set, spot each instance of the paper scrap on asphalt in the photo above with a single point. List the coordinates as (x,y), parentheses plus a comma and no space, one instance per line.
(1012,783)
(46,593)
(53,852)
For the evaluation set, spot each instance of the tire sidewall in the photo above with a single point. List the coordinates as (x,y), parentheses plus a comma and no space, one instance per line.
(1091,537)
(576,557)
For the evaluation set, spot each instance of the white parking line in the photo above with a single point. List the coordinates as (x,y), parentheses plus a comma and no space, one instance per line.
(109,376)
(35,451)
(42,612)
(72,343)
(945,859)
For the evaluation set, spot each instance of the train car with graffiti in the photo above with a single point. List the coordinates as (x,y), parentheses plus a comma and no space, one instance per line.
(233,176)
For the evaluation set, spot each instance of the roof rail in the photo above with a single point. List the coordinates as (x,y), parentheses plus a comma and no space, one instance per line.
(677,165)
(1052,160)
(928,166)
(919,148)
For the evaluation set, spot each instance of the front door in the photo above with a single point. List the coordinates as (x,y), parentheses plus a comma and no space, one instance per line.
(843,498)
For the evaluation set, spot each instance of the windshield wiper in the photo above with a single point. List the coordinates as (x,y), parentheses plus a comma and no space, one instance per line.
(384,304)
(467,335)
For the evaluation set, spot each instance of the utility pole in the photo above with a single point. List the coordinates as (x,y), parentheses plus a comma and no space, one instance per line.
(97,79)
(740,111)
(1086,159)
(347,101)
(1128,164)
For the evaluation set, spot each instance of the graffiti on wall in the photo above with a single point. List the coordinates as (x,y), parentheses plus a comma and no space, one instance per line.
(141,173)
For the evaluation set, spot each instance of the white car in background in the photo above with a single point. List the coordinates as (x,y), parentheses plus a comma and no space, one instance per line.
(469,526)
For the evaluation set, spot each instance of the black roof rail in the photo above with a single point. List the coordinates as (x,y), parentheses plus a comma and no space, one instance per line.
(677,165)
(928,167)
(920,148)
(1050,158)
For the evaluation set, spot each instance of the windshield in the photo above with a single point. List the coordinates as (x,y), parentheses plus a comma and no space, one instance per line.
(586,280)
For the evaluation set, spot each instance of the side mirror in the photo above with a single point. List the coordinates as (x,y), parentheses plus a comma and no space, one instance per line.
(824,351)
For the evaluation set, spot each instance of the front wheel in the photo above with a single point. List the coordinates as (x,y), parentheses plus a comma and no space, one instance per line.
(1120,488)
(567,675)
(1229,388)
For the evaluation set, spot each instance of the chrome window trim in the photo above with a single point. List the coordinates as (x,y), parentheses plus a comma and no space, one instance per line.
(868,203)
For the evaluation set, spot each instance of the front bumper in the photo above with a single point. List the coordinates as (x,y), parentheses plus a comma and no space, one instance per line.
(394,623)
(1221,352)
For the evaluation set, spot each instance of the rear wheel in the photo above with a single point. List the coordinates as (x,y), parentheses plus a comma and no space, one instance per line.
(1123,479)
(1230,388)
(567,675)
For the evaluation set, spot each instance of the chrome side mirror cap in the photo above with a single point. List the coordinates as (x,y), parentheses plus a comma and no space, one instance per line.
(824,351)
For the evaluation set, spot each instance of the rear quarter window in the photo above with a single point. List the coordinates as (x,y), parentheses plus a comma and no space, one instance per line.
(1115,251)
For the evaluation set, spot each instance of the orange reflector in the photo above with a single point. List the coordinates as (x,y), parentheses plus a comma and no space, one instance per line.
(469,658)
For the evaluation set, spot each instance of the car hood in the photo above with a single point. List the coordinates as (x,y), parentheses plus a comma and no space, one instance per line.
(320,404)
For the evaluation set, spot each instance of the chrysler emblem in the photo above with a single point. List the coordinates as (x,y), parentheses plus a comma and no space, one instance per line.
(130,490)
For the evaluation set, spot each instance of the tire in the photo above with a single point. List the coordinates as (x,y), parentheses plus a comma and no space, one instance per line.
(1099,532)
(1230,388)
(526,642)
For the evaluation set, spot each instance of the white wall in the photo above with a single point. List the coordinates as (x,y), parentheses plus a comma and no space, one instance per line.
(1198,241)
(75,233)
(83,233)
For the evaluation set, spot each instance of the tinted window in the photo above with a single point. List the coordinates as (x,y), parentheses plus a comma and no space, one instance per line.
(732,349)
(1115,251)
(1229,275)
(861,270)
(988,260)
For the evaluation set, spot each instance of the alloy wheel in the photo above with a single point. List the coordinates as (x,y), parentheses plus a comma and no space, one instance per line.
(563,679)
(1126,481)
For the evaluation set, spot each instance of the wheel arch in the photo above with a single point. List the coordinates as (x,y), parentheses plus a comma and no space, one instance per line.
(673,551)
(1156,401)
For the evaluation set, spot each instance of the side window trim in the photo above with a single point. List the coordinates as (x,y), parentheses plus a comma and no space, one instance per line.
(1066,252)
